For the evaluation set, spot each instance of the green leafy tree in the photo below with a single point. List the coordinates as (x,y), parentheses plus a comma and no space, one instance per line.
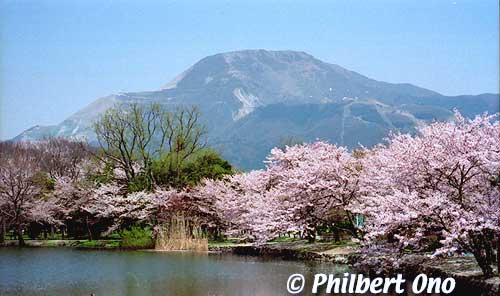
(132,136)
(206,163)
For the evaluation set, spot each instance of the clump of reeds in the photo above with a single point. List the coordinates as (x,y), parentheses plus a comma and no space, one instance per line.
(181,234)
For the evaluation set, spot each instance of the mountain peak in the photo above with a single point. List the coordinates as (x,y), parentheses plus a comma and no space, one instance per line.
(250,99)
(286,55)
(236,62)
(284,76)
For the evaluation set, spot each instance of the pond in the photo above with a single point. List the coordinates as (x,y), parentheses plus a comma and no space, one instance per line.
(65,271)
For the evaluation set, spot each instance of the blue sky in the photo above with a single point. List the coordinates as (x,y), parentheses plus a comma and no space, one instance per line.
(58,56)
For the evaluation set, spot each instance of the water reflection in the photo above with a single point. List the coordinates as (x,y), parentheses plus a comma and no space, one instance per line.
(58,271)
(77,272)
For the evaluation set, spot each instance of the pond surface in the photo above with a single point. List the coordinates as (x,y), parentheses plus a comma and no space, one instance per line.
(65,271)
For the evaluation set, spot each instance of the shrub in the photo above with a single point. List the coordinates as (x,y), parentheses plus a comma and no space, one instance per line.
(137,237)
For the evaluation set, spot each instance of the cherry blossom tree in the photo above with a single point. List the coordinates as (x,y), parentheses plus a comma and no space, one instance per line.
(112,201)
(189,202)
(60,157)
(18,185)
(26,181)
(244,202)
(439,183)
(72,197)
(45,211)
(316,185)
(303,187)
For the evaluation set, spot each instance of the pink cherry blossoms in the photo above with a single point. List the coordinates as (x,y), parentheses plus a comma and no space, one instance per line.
(440,186)
(302,188)
(441,183)
(436,192)
(244,203)
(315,184)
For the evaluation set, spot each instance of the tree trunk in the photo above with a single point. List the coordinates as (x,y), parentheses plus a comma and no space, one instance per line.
(88,228)
(483,263)
(2,231)
(20,236)
(336,235)
(311,236)
(489,246)
(52,234)
(498,254)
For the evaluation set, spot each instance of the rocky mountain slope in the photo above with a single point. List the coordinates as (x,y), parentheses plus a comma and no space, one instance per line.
(254,100)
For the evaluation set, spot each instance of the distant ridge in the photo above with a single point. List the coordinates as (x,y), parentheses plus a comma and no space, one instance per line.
(251,100)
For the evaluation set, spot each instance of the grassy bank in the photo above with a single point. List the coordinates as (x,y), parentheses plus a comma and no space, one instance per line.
(137,240)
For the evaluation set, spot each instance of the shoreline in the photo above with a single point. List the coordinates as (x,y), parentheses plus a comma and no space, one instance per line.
(464,269)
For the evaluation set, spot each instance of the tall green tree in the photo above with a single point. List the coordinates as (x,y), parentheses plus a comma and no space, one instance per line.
(132,135)
(205,164)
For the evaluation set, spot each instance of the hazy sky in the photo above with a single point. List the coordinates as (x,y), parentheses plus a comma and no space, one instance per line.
(58,56)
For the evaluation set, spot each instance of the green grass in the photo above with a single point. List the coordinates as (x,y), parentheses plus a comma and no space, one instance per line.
(284,239)
(133,238)
(137,238)
(114,235)
(51,244)
(98,244)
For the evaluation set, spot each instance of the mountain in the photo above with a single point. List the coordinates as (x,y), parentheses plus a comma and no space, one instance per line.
(254,100)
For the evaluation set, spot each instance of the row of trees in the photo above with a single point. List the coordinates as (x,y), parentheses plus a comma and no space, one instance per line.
(436,192)
(27,173)
(81,191)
